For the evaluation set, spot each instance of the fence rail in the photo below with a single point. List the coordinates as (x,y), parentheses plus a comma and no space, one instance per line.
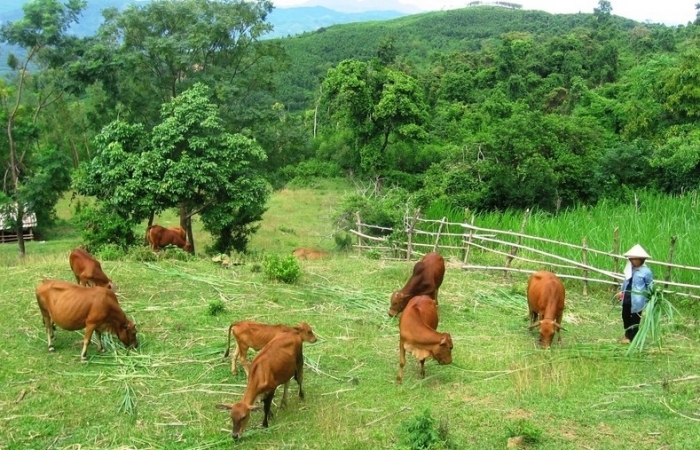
(528,252)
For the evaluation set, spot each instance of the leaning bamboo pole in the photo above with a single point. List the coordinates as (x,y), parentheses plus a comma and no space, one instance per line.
(584,259)
(667,278)
(514,249)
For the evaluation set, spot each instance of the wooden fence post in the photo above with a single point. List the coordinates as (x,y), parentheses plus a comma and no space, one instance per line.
(359,231)
(585,262)
(670,260)
(469,241)
(411,227)
(437,238)
(616,251)
(514,250)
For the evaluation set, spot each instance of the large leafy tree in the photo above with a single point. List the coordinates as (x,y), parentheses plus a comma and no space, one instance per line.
(42,33)
(150,53)
(378,105)
(189,161)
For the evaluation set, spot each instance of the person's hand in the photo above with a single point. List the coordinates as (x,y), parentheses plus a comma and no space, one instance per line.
(620,295)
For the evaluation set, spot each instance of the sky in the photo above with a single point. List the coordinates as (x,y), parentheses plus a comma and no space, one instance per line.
(669,12)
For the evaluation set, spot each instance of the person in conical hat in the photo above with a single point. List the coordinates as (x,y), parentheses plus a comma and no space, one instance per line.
(638,281)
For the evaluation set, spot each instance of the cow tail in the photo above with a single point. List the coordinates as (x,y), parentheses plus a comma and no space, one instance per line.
(228,343)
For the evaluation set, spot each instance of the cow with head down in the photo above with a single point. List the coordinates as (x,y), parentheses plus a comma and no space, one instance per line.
(426,280)
(74,307)
(87,270)
(159,237)
(545,297)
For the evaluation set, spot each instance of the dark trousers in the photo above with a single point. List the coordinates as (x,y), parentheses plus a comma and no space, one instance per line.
(630,320)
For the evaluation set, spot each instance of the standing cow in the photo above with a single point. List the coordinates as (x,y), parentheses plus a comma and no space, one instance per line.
(545,299)
(426,280)
(87,270)
(418,335)
(159,237)
(74,307)
(276,364)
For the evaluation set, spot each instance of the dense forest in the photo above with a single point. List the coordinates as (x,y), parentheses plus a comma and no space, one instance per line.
(188,104)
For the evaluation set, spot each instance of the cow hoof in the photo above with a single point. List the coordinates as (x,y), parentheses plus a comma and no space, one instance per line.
(51,349)
(83,359)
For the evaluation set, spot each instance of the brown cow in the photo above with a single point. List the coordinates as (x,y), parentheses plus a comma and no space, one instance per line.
(545,298)
(308,253)
(179,230)
(87,270)
(257,335)
(73,307)
(159,237)
(417,334)
(426,280)
(276,364)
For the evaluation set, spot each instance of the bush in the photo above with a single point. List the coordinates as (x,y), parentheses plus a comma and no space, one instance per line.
(100,227)
(216,307)
(385,211)
(343,240)
(110,252)
(527,433)
(420,431)
(285,269)
(141,254)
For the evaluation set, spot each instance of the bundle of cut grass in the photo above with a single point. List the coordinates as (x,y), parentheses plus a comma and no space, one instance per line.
(657,308)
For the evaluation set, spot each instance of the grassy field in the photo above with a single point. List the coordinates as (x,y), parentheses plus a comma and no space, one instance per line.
(584,394)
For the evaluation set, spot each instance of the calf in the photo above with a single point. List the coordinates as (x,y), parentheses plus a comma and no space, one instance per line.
(308,253)
(545,298)
(426,280)
(88,270)
(417,334)
(256,335)
(279,361)
(159,237)
(74,307)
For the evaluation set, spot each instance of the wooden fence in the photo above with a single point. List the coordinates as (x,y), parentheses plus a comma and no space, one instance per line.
(517,252)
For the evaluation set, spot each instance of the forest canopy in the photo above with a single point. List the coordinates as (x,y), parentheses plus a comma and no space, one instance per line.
(485,107)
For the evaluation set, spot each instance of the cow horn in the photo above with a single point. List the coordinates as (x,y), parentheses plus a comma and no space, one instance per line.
(559,326)
(536,324)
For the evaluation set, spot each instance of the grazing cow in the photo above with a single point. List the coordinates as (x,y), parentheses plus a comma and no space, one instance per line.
(73,307)
(417,334)
(88,271)
(308,253)
(426,280)
(179,230)
(545,298)
(257,335)
(276,364)
(159,237)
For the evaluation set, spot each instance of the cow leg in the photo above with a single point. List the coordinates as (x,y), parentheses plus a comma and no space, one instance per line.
(100,348)
(299,376)
(48,324)
(89,329)
(234,356)
(267,402)
(402,361)
(422,368)
(283,403)
(243,358)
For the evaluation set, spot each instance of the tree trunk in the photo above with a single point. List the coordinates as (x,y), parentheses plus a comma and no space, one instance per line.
(151,218)
(186,224)
(20,229)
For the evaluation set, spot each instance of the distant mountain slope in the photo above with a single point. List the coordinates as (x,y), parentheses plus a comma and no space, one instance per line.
(416,38)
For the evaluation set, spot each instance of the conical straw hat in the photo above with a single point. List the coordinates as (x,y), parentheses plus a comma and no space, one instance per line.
(637,252)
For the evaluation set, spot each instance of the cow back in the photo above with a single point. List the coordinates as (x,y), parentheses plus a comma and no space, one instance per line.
(545,294)
(276,364)
(426,279)
(87,268)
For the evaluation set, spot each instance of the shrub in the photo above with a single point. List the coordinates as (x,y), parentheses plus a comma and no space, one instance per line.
(343,240)
(285,269)
(526,431)
(100,226)
(384,211)
(142,254)
(420,431)
(373,253)
(216,307)
(109,252)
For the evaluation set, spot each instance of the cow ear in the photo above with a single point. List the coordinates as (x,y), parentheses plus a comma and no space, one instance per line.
(224,406)
(444,340)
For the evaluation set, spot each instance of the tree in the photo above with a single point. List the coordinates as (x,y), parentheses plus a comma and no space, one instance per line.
(40,31)
(189,161)
(378,106)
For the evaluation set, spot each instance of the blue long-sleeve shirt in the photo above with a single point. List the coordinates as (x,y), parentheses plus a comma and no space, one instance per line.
(642,280)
